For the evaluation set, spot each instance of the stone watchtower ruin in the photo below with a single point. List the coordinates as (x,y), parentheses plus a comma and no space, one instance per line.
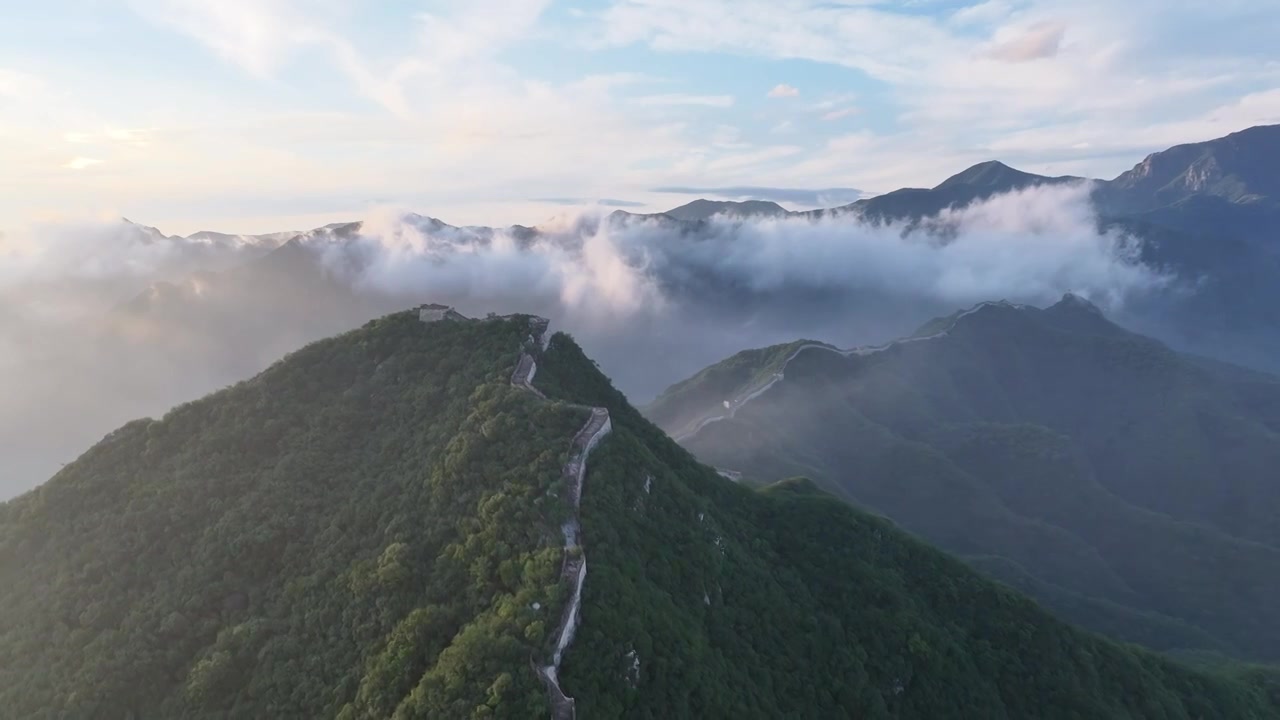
(433,312)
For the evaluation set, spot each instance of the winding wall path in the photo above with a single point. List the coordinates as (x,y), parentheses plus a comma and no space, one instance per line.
(732,406)
(573,571)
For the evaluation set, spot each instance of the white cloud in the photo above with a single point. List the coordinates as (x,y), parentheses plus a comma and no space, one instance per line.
(959,83)
(577,265)
(257,35)
(784,91)
(833,101)
(720,101)
(866,38)
(475,29)
(732,164)
(983,13)
(1261,108)
(81,162)
(450,109)
(841,113)
(1024,243)
(728,137)
(17,84)
(85,369)
(262,36)
(110,136)
(1039,41)
(1027,246)
(458,117)
(92,249)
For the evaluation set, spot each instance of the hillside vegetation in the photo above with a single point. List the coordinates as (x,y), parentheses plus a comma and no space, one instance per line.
(370,529)
(1129,488)
(362,530)
(710,599)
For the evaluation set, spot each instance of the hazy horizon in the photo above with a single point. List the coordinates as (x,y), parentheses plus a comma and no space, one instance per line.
(248,117)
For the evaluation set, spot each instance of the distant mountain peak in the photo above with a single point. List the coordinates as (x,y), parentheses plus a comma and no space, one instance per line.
(991,172)
(147,230)
(947,323)
(1073,312)
(426,222)
(1077,314)
(983,171)
(994,175)
(1072,301)
(703,209)
(1238,168)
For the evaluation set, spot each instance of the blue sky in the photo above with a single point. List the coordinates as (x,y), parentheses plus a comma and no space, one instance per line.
(262,115)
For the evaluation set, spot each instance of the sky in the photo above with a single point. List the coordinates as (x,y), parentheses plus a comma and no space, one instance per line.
(270,115)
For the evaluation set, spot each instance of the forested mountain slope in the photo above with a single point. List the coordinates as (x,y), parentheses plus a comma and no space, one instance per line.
(372,528)
(710,599)
(363,529)
(1130,488)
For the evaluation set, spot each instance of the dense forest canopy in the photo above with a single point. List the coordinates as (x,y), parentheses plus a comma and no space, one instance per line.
(370,529)
(710,599)
(364,529)
(1127,487)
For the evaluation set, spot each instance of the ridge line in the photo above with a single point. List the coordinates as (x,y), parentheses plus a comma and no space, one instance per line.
(574,567)
(735,404)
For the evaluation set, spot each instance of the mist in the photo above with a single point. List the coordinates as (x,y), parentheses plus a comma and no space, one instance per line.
(654,300)
(101,323)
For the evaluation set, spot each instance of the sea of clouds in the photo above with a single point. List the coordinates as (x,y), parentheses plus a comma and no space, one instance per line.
(652,300)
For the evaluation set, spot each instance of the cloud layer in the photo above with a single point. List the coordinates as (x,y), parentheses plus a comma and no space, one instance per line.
(651,299)
(1028,246)
(468,107)
(815,198)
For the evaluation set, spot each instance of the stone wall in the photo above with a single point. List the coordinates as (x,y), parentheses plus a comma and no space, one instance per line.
(573,571)
(433,313)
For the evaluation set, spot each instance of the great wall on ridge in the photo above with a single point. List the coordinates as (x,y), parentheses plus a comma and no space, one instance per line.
(573,570)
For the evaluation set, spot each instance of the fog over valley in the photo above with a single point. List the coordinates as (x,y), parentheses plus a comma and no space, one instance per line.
(110,321)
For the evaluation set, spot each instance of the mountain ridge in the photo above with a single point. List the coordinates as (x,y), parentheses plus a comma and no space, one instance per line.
(999,177)
(374,527)
(1214,290)
(574,568)
(703,209)
(1235,167)
(887,427)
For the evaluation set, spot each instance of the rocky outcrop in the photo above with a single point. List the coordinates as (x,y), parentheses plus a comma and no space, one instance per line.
(573,571)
